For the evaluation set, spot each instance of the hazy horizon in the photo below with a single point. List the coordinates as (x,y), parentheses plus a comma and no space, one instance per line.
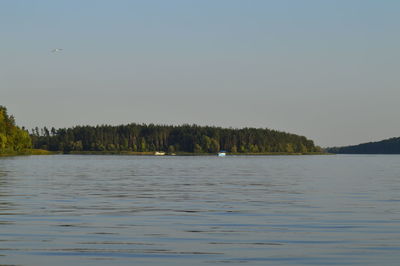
(324,70)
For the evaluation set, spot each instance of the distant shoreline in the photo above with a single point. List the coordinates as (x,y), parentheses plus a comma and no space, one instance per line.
(28,152)
(185,153)
(128,153)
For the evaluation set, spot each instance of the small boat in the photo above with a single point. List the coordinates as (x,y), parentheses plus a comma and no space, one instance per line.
(221,154)
(159,153)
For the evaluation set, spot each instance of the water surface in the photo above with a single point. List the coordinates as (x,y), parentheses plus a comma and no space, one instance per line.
(249,210)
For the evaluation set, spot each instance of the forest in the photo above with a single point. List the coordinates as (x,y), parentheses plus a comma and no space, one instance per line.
(387,146)
(141,138)
(168,138)
(12,138)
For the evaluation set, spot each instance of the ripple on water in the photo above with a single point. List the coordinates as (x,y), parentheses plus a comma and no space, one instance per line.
(97,210)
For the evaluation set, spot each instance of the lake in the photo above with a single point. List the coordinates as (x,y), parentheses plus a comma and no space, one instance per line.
(202,210)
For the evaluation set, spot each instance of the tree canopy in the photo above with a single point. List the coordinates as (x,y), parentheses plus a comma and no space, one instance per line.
(168,138)
(12,138)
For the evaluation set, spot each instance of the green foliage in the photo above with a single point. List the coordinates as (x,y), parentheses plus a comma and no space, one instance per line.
(214,147)
(12,138)
(185,138)
(233,149)
(171,149)
(289,148)
(197,148)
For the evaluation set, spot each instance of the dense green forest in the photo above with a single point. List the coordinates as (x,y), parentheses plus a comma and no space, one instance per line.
(12,138)
(387,146)
(185,138)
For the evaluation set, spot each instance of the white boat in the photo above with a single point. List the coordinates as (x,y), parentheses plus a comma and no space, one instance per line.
(159,153)
(221,154)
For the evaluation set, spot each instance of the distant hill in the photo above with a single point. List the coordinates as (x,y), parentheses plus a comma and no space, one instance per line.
(387,146)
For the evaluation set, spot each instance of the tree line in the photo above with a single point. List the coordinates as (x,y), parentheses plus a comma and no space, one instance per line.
(168,138)
(12,138)
(387,146)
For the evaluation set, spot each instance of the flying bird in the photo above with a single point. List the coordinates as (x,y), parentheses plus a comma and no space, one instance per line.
(56,50)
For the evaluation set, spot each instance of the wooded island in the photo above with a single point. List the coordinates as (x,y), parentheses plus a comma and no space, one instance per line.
(170,139)
(143,138)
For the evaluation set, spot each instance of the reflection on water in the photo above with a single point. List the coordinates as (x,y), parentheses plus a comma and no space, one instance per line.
(7,207)
(286,210)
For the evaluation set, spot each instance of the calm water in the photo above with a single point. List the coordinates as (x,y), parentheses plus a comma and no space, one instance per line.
(266,210)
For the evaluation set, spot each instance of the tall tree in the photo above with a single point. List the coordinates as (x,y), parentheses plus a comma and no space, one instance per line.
(12,138)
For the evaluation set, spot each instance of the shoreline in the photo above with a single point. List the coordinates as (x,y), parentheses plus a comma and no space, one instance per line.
(28,153)
(186,153)
(131,153)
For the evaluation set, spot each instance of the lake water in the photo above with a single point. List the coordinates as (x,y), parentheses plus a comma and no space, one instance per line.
(249,210)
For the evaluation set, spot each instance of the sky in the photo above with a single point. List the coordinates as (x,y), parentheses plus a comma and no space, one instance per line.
(327,70)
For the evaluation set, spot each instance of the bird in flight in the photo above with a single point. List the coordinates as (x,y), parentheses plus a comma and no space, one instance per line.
(56,50)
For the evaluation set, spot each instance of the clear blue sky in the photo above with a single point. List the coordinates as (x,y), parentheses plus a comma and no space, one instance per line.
(328,70)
